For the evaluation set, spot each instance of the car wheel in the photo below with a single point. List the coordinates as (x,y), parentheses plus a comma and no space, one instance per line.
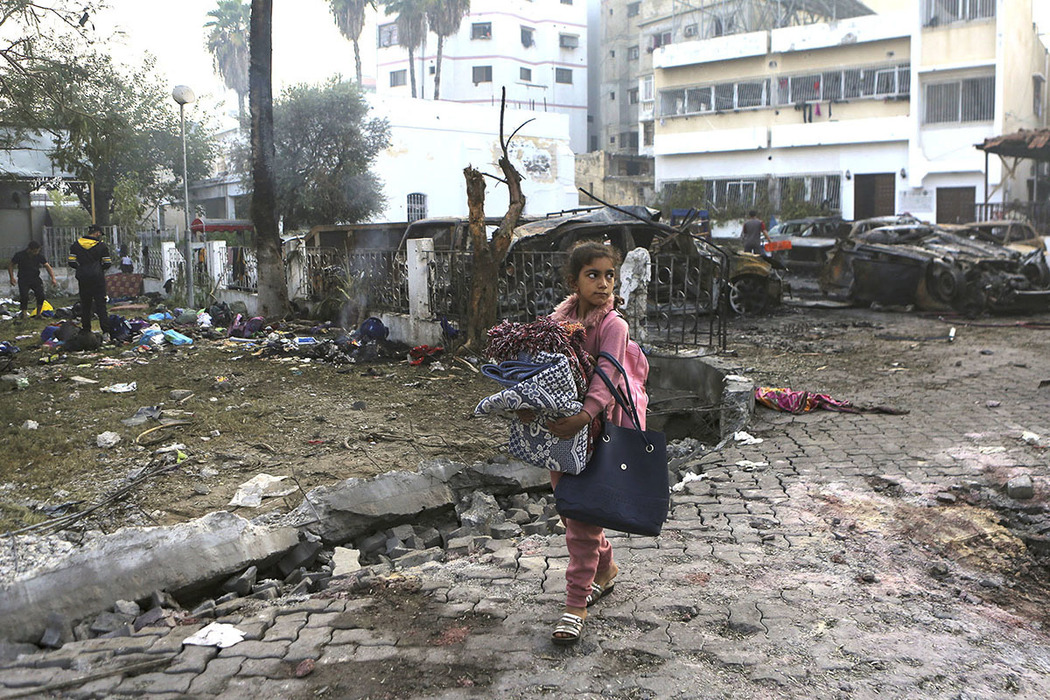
(747,295)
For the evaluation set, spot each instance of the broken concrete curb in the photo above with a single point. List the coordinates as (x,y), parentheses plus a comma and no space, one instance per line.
(356,507)
(132,563)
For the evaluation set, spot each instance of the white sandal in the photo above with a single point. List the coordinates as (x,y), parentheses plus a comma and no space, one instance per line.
(598,592)
(568,630)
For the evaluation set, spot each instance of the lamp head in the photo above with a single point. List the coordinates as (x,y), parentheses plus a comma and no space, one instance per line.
(183,94)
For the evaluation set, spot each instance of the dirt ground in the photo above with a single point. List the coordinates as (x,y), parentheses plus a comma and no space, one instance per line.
(314,421)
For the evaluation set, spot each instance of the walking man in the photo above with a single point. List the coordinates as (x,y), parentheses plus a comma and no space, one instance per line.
(89,256)
(29,262)
(751,233)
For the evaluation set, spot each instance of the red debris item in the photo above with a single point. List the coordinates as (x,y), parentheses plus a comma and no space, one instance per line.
(315,442)
(424,353)
(305,668)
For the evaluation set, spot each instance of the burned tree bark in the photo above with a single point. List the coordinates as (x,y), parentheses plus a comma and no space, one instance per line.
(273,290)
(489,254)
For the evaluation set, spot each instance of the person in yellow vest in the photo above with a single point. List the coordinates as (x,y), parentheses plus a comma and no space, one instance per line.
(89,256)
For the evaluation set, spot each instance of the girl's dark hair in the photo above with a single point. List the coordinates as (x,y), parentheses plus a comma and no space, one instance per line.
(584,253)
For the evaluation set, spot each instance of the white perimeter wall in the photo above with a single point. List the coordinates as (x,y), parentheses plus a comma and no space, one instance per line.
(432,142)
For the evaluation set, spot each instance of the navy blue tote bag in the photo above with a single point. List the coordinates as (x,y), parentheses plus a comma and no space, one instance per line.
(625,486)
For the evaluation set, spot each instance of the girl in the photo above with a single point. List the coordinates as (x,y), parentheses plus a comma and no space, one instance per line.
(591,275)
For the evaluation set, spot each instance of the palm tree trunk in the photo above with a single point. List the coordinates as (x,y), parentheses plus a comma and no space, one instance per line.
(412,70)
(273,291)
(357,62)
(437,68)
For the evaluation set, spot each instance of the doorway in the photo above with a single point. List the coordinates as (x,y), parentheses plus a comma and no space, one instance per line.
(956,205)
(874,195)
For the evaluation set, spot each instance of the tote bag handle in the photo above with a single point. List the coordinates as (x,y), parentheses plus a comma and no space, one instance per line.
(625,400)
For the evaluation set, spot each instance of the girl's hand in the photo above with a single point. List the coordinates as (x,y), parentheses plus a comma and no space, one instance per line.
(526,415)
(566,427)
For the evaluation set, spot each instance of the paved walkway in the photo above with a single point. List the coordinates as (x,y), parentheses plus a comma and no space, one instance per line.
(845,556)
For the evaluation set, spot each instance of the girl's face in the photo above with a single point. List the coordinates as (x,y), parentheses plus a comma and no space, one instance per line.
(596,281)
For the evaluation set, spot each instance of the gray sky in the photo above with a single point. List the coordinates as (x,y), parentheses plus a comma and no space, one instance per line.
(307,47)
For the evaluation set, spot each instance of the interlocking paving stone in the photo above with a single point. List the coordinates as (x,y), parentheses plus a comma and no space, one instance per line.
(309,644)
(274,649)
(216,676)
(193,659)
(286,627)
(156,683)
(267,668)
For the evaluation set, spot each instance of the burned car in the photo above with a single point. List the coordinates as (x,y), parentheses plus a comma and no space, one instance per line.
(926,266)
(810,239)
(1019,235)
(686,268)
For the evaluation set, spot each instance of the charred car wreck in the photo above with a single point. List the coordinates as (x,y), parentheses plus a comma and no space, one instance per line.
(687,269)
(926,266)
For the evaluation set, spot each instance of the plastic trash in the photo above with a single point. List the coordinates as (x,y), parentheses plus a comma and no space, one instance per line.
(176,338)
(306,340)
(107,439)
(122,388)
(161,316)
(217,634)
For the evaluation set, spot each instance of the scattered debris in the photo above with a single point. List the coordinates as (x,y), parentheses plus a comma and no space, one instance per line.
(251,493)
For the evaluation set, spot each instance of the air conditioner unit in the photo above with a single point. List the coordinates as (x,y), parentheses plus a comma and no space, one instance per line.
(690,30)
(569,41)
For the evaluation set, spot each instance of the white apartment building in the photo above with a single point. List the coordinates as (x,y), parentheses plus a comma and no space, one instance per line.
(869,108)
(536,49)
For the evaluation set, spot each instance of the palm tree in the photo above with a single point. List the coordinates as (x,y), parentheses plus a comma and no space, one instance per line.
(411,29)
(445,16)
(350,18)
(228,44)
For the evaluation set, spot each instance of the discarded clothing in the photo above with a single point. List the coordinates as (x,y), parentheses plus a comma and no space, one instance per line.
(791,401)
(550,393)
(424,353)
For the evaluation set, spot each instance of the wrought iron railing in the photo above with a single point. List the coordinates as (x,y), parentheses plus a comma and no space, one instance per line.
(1037,213)
(242,269)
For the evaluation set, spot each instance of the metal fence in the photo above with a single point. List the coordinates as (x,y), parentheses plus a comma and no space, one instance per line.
(1038,213)
(148,250)
(375,279)
(242,269)
(144,246)
(685,305)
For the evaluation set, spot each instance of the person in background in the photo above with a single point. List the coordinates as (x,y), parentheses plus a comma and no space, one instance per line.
(126,265)
(752,232)
(29,262)
(89,256)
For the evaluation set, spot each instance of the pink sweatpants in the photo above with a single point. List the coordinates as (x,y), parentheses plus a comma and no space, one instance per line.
(589,552)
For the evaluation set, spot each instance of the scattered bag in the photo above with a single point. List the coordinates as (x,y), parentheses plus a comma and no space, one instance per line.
(119,328)
(625,486)
(176,338)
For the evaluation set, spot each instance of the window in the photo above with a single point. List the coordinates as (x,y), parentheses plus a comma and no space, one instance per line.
(647,88)
(398,77)
(482,74)
(612,96)
(882,82)
(568,41)
(1037,95)
(967,100)
(648,131)
(527,36)
(632,142)
(481,30)
(633,9)
(417,206)
(718,98)
(938,12)
(632,96)
(525,74)
(632,53)
(388,34)
(612,53)
(566,2)
(563,75)
(661,39)
(690,30)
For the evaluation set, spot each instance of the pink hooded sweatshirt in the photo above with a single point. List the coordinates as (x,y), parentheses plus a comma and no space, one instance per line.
(605,332)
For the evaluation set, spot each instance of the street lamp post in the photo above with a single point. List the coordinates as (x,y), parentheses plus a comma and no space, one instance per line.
(184,95)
